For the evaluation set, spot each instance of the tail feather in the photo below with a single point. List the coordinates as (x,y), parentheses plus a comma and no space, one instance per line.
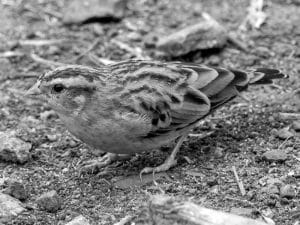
(240,82)
(265,75)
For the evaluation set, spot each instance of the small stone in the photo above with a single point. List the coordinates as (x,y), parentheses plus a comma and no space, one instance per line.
(218,152)
(287,191)
(150,40)
(13,149)
(51,137)
(270,189)
(212,182)
(284,133)
(206,34)
(49,201)
(16,189)
(274,156)
(47,114)
(214,189)
(9,208)
(134,36)
(80,11)
(79,220)
(296,125)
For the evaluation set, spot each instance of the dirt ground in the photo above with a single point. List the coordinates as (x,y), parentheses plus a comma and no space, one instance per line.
(243,131)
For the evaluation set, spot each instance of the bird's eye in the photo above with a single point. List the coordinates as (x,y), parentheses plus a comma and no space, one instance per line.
(58,88)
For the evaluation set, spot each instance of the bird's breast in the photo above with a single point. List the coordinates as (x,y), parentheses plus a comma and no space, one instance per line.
(112,135)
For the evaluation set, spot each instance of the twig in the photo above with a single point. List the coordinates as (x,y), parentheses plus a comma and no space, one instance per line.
(201,136)
(238,181)
(51,64)
(90,48)
(233,40)
(297,158)
(40,42)
(9,54)
(284,142)
(53,13)
(289,116)
(169,210)
(124,220)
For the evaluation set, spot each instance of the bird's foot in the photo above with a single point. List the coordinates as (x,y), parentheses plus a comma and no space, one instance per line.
(94,166)
(170,162)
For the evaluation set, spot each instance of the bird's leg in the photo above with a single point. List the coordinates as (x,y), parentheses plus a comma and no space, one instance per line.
(169,162)
(93,166)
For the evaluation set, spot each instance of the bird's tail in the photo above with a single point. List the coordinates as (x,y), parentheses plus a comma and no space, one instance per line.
(256,76)
(265,75)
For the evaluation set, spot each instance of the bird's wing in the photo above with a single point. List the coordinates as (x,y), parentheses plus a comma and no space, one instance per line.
(164,93)
(174,96)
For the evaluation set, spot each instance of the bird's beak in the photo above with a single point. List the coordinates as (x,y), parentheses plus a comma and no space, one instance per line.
(34,90)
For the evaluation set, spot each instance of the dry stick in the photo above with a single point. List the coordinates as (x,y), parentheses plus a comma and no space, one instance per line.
(202,136)
(125,220)
(238,181)
(290,116)
(168,210)
(90,48)
(46,62)
(233,40)
(9,54)
(40,42)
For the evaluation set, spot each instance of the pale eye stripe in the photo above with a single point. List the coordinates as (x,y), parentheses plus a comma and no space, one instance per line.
(72,71)
(72,82)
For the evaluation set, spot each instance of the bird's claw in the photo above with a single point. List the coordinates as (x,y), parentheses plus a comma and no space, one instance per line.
(170,162)
(94,166)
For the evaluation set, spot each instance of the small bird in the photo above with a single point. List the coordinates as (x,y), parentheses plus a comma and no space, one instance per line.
(136,105)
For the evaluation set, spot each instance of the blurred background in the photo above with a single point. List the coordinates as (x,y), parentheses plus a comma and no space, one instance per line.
(260,138)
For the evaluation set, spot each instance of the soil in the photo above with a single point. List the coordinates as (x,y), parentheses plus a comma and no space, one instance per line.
(243,130)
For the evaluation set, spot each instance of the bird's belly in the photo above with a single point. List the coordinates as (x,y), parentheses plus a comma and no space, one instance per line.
(109,138)
(116,142)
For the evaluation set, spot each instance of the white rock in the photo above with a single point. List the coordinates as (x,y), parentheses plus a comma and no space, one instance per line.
(78,220)
(9,207)
(13,149)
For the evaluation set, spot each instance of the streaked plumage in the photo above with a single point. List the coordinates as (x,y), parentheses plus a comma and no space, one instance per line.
(136,105)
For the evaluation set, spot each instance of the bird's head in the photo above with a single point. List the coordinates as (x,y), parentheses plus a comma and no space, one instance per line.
(68,89)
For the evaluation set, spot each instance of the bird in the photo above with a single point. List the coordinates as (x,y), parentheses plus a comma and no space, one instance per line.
(134,106)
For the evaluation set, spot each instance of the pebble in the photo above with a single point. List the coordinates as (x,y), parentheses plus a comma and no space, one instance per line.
(270,189)
(13,149)
(206,34)
(16,189)
(9,208)
(284,133)
(296,125)
(287,191)
(274,156)
(218,152)
(52,137)
(47,115)
(80,11)
(214,189)
(79,220)
(49,201)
